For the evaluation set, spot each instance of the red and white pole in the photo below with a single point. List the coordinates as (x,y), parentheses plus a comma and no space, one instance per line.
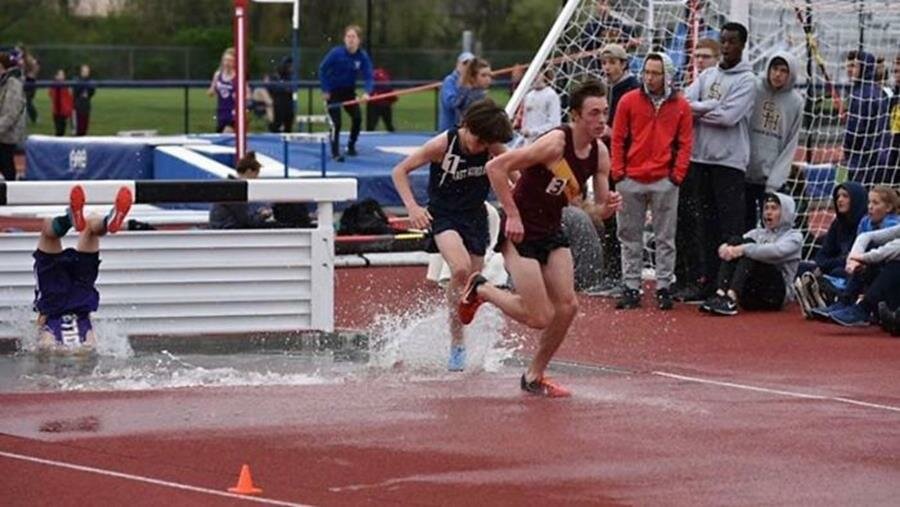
(240,48)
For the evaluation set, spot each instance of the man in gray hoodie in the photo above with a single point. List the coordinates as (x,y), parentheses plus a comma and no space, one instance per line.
(759,267)
(774,132)
(12,114)
(722,100)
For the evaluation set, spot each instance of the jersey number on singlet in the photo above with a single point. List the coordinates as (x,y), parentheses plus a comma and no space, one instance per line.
(556,186)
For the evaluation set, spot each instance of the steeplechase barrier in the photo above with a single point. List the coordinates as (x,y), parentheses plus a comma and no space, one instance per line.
(192,282)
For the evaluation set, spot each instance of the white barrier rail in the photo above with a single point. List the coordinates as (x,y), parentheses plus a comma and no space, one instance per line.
(193,281)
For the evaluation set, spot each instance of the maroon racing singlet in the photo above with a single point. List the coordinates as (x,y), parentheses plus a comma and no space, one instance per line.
(542,192)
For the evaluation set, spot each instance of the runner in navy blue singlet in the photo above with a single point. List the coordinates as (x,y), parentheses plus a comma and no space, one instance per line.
(553,173)
(457,188)
(224,88)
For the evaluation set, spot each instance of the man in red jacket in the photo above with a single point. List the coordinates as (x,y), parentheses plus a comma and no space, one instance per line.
(651,151)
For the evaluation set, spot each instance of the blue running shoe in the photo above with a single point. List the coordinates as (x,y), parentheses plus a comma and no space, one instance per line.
(824,314)
(457,361)
(851,316)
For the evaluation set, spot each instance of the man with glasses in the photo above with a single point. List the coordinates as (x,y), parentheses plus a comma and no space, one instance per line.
(706,54)
(651,150)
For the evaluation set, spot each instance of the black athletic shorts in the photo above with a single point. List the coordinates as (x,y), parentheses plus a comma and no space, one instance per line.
(537,249)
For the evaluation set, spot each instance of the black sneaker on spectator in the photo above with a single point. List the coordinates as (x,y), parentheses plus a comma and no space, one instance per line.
(889,319)
(608,288)
(351,151)
(631,298)
(337,158)
(664,299)
(688,294)
(723,305)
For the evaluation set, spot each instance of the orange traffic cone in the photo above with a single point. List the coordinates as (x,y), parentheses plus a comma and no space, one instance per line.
(245,483)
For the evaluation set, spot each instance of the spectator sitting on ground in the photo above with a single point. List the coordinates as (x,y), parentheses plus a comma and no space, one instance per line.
(849,202)
(447,118)
(61,102)
(473,85)
(242,215)
(758,268)
(882,207)
(880,266)
(12,115)
(541,110)
(774,132)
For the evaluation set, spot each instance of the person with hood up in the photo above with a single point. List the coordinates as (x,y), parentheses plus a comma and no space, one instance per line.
(774,132)
(877,252)
(651,150)
(758,268)
(849,203)
(12,115)
(721,99)
(866,118)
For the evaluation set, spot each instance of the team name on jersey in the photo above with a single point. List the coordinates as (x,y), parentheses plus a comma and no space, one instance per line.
(450,166)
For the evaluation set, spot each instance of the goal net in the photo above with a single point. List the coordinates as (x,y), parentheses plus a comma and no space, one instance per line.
(851,126)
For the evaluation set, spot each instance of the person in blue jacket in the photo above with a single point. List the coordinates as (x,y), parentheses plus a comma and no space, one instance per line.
(337,73)
(449,89)
(866,118)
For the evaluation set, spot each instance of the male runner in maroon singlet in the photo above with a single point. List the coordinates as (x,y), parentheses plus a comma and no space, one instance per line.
(553,174)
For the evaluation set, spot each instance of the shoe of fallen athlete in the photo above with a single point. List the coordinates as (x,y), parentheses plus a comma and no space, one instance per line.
(544,386)
(120,210)
(76,207)
(457,359)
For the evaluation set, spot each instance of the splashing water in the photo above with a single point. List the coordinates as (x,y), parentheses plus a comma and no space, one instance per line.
(418,341)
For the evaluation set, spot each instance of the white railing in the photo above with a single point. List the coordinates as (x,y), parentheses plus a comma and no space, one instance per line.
(197,282)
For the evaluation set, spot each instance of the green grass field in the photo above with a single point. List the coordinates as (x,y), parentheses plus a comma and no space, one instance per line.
(117,109)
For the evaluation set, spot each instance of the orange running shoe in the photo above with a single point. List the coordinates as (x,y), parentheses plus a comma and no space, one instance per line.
(120,210)
(470,300)
(76,207)
(545,386)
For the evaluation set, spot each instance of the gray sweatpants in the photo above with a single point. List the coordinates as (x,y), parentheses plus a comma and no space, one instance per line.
(661,198)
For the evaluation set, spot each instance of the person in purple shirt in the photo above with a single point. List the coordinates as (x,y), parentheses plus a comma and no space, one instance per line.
(337,73)
(222,87)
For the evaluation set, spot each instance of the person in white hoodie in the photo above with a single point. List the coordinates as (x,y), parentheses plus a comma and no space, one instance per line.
(541,110)
(759,267)
(774,132)
(721,99)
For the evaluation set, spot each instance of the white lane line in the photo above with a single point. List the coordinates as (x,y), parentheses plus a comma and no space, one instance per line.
(148,480)
(780,392)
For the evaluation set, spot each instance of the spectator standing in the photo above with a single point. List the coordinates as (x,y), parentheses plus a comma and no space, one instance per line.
(774,132)
(758,268)
(12,115)
(889,173)
(61,101)
(651,150)
(540,109)
(866,117)
(337,73)
(722,101)
(223,87)
(707,54)
(690,270)
(381,108)
(31,66)
(84,91)
(473,85)
(447,118)
(282,92)
(620,81)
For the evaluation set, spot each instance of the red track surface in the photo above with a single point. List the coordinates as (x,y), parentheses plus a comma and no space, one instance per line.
(756,409)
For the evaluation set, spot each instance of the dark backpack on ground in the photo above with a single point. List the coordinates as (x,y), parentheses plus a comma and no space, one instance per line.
(364,217)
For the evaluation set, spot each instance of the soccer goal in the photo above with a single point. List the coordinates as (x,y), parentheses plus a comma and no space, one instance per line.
(819,33)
